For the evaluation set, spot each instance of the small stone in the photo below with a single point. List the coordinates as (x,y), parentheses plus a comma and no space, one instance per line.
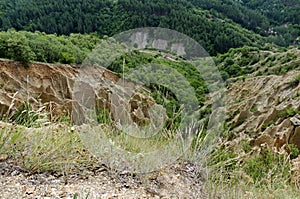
(295,121)
(30,190)
(15,173)
(3,157)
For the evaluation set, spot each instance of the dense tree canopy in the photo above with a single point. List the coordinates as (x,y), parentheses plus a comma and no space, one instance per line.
(215,24)
(26,46)
(108,18)
(277,20)
(276,10)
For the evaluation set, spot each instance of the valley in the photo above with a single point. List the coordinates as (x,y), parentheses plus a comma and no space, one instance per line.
(83,116)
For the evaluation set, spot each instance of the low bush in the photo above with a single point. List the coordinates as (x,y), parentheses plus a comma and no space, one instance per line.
(26,116)
(289,112)
(267,167)
(295,81)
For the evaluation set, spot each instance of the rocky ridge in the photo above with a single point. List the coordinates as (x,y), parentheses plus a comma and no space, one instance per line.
(265,111)
(66,91)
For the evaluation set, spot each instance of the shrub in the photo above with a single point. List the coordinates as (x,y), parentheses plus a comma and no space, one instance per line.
(289,112)
(253,109)
(103,117)
(234,70)
(67,58)
(266,165)
(295,81)
(294,151)
(15,45)
(266,125)
(221,155)
(246,146)
(26,116)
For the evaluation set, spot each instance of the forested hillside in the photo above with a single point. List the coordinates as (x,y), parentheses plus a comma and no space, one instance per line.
(26,46)
(284,19)
(278,21)
(56,114)
(237,12)
(217,25)
(216,33)
(276,10)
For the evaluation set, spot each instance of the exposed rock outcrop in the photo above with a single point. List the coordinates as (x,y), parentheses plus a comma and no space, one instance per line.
(264,108)
(64,90)
(264,111)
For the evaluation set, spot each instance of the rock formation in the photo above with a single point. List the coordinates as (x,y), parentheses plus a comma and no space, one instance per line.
(63,90)
(265,109)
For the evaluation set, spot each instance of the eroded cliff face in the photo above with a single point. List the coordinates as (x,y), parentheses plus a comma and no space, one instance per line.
(40,83)
(62,90)
(265,111)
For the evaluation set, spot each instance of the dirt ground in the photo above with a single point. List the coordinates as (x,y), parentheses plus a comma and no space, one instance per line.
(177,181)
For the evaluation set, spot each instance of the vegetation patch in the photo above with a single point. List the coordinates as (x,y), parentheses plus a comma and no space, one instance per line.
(289,112)
(295,81)
(267,124)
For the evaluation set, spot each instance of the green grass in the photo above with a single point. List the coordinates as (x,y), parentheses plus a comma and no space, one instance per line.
(295,81)
(234,173)
(239,62)
(243,190)
(46,149)
(266,125)
(289,112)
(63,148)
(246,172)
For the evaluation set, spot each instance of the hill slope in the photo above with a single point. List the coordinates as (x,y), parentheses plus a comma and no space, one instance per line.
(214,24)
(108,18)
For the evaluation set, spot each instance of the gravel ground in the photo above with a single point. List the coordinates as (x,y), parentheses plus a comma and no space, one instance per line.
(177,181)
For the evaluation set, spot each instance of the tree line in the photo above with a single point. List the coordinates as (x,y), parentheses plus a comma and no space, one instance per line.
(107,17)
(27,46)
